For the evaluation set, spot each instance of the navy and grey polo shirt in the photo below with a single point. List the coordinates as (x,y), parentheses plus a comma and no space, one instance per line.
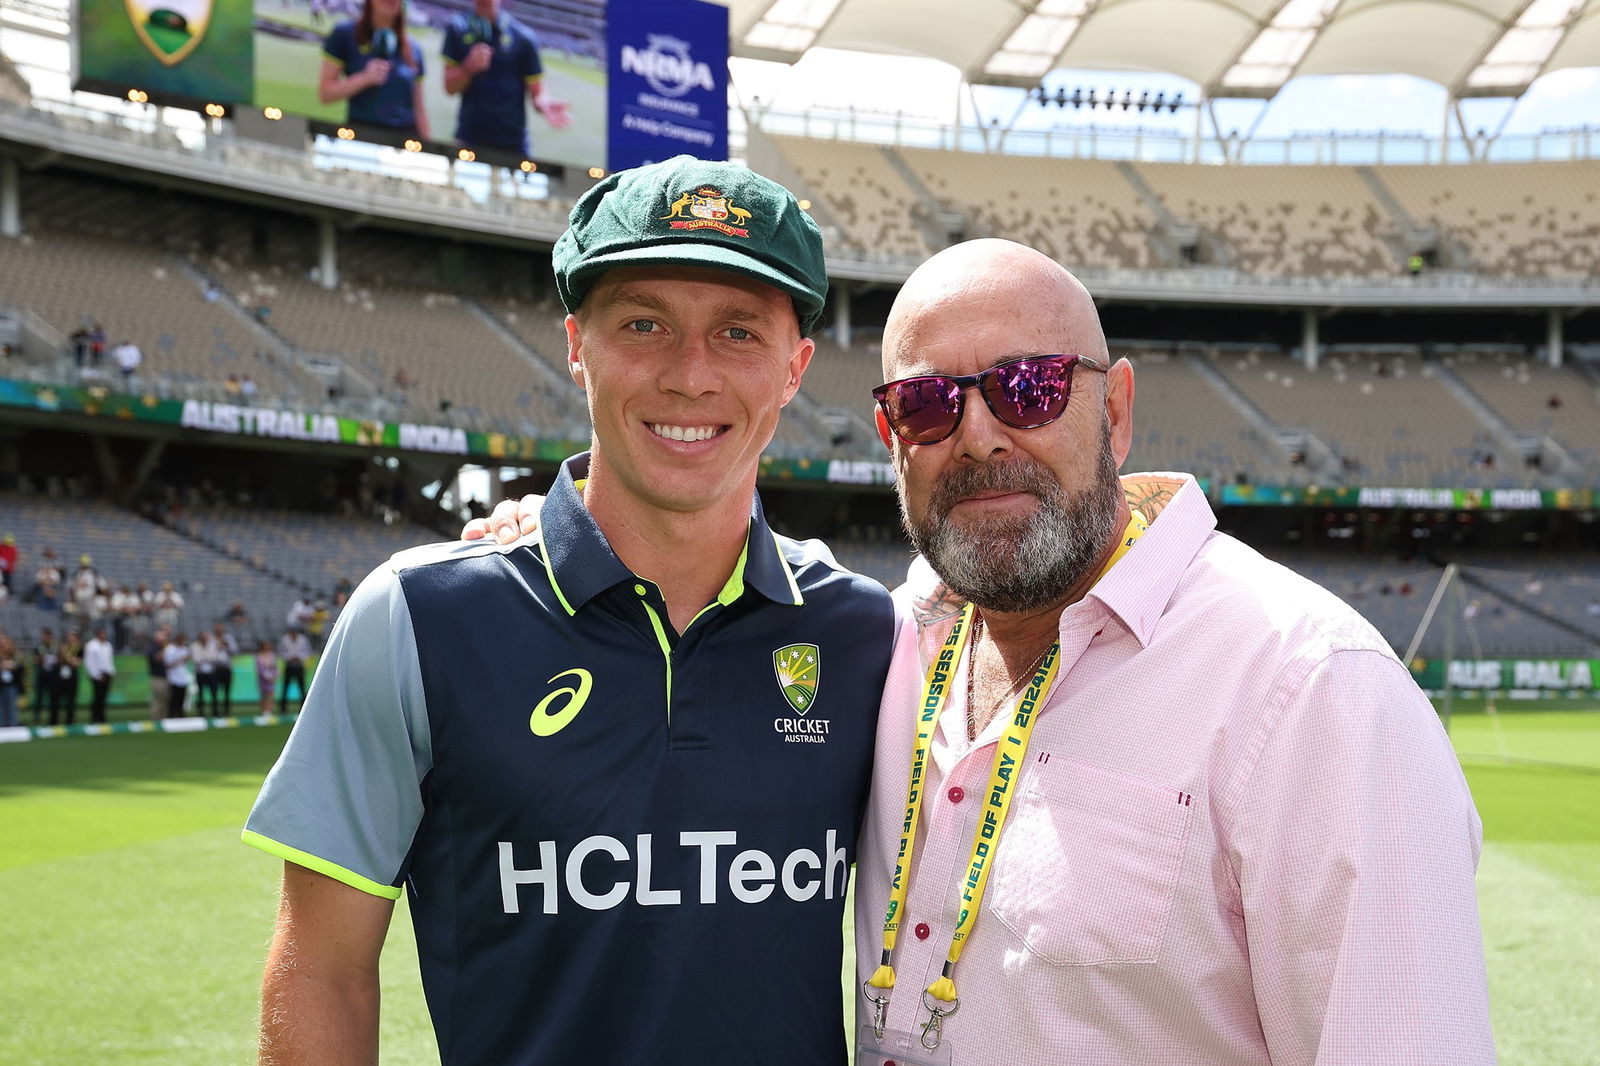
(619,844)
(493,112)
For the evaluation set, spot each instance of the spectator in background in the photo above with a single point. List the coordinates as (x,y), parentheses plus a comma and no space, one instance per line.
(299,615)
(157,658)
(46,660)
(212,293)
(71,658)
(86,582)
(168,606)
(46,591)
(128,358)
(124,608)
(101,666)
(222,669)
(179,676)
(97,344)
(266,673)
(81,343)
(202,654)
(12,681)
(294,649)
(237,619)
(8,560)
(317,624)
(247,389)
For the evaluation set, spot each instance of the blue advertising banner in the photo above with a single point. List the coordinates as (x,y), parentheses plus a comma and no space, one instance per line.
(668,81)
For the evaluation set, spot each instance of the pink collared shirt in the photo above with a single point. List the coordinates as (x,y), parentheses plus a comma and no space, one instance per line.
(1240,835)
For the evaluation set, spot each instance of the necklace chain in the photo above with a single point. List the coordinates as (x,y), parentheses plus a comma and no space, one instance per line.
(972,673)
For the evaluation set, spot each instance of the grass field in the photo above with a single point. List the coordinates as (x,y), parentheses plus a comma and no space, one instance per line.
(136,923)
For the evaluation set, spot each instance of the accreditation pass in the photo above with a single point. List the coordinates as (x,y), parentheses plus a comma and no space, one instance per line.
(895,1048)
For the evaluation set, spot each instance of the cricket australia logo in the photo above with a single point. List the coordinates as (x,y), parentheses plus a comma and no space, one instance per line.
(171,29)
(707,207)
(798,668)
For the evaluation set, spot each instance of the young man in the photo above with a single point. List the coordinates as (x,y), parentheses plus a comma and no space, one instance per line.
(619,768)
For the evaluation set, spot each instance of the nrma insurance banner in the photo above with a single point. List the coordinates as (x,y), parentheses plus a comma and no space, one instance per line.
(668,81)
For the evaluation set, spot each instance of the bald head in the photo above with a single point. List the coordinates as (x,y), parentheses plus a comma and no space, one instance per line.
(984,287)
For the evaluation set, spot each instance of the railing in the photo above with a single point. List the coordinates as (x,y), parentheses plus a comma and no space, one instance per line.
(367,168)
(1165,146)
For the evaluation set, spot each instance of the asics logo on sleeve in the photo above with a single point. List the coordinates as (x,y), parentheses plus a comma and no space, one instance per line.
(547,720)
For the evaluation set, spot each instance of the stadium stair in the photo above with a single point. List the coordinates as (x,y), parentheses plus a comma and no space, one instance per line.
(293,382)
(1592,639)
(1524,444)
(1169,234)
(1318,457)
(541,368)
(1410,237)
(196,534)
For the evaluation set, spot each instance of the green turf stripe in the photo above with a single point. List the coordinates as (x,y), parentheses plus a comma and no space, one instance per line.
(165,725)
(321,866)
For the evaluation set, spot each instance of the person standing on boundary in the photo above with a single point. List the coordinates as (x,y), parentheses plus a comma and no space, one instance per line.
(295,650)
(156,660)
(99,662)
(617,769)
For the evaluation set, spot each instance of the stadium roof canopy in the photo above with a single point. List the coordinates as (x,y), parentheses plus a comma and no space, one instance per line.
(1232,48)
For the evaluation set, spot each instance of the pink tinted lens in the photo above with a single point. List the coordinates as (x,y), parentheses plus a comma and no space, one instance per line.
(924,409)
(1029,392)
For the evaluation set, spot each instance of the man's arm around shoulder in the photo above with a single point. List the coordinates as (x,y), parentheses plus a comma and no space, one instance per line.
(319,998)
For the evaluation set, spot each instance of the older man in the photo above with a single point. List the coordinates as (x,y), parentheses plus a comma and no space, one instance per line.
(618,768)
(1169,802)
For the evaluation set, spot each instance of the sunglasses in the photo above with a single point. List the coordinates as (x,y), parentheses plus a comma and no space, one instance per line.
(1023,393)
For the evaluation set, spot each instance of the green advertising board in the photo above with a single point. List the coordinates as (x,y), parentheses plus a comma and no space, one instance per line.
(1508,675)
(200,49)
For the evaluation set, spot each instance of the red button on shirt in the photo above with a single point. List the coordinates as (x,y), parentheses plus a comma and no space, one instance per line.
(956,795)
(922,930)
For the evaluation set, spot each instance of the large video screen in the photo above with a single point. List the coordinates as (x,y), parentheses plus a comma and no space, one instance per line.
(509,79)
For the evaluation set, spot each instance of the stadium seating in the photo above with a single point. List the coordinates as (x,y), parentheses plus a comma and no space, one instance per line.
(1180,422)
(861,189)
(1080,212)
(1536,398)
(1541,607)
(316,552)
(128,549)
(1364,406)
(1275,221)
(1513,219)
(449,352)
(139,294)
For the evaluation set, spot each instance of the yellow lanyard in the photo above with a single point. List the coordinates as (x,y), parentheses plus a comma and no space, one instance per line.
(1009,753)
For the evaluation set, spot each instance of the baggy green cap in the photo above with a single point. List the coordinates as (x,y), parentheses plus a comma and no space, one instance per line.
(695,213)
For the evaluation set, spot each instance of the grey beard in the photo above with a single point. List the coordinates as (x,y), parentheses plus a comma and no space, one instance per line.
(1015,565)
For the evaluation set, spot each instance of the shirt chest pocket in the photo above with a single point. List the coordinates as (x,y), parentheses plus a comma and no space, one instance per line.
(1088,864)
